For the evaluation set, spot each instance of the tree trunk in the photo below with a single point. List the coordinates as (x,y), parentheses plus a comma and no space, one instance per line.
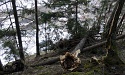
(18,31)
(111,42)
(120,23)
(76,14)
(80,45)
(1,66)
(110,20)
(37,30)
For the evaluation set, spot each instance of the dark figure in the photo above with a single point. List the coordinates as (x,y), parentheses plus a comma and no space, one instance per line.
(18,65)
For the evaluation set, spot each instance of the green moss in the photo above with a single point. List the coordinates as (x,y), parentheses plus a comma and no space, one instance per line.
(89,73)
(92,69)
(110,61)
(88,65)
(74,73)
(47,73)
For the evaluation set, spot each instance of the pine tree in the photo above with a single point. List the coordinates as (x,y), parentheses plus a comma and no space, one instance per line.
(68,9)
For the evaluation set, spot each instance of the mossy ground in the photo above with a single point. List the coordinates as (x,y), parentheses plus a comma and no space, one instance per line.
(86,67)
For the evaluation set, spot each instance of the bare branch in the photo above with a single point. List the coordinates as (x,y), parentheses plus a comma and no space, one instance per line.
(5,3)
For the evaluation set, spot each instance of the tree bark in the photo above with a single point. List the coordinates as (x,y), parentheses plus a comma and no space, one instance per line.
(18,31)
(80,44)
(48,62)
(111,47)
(113,24)
(110,20)
(54,60)
(37,30)
(1,66)
(120,23)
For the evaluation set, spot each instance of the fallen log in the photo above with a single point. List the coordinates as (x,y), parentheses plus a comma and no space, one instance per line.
(80,45)
(100,44)
(54,60)
(48,62)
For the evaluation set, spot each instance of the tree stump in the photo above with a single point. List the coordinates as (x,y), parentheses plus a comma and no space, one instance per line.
(70,61)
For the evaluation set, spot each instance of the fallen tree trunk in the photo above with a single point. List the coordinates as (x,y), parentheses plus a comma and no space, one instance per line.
(54,60)
(80,45)
(93,46)
(100,44)
(49,62)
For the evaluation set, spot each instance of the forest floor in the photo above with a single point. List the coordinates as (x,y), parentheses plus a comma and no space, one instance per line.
(87,67)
